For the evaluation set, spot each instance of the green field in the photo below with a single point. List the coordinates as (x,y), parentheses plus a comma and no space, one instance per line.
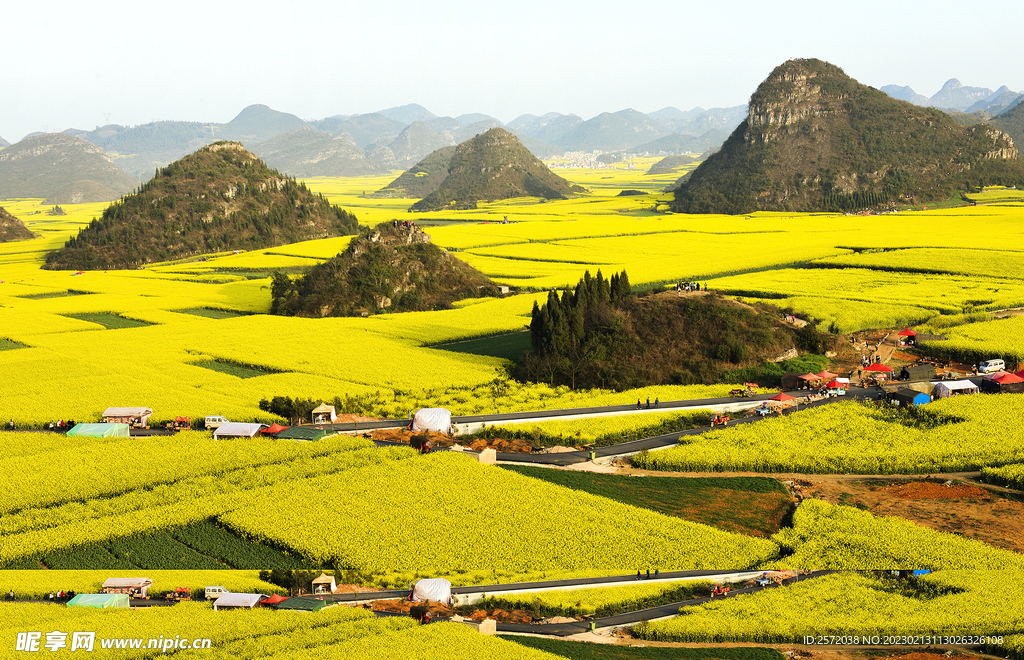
(747,505)
(509,346)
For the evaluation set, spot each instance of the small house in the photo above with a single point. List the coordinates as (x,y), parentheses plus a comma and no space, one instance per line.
(324,414)
(135,587)
(324,584)
(133,417)
(918,372)
(908,397)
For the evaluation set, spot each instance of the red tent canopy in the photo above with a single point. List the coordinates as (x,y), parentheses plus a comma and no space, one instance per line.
(781,396)
(877,367)
(810,376)
(826,374)
(276,428)
(1009,378)
(907,333)
(275,599)
(1019,373)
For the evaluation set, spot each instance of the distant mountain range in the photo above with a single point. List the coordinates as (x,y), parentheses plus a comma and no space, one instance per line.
(62,169)
(955,96)
(398,138)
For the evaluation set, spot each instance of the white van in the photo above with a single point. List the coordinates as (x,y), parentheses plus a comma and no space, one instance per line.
(990,366)
(213,593)
(214,421)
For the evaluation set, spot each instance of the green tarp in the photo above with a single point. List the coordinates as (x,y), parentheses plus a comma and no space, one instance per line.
(99,601)
(301,433)
(100,430)
(302,604)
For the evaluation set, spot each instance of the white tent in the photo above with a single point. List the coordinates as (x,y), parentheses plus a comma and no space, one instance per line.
(237,430)
(324,413)
(325,584)
(948,388)
(438,420)
(127,585)
(437,590)
(230,600)
(138,415)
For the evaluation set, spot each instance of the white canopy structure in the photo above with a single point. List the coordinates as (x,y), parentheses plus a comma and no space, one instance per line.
(127,585)
(324,413)
(438,420)
(437,590)
(230,600)
(137,416)
(237,430)
(948,388)
(325,584)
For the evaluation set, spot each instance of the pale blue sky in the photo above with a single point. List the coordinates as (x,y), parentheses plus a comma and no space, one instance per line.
(83,64)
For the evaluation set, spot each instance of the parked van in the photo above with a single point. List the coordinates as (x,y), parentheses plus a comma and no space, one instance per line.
(990,366)
(213,593)
(214,421)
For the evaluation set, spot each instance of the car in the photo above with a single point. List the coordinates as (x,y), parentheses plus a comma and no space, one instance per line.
(213,593)
(214,421)
(991,366)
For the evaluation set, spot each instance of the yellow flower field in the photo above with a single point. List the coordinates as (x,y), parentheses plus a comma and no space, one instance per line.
(969,602)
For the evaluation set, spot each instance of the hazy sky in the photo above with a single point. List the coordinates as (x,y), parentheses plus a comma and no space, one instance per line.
(85,64)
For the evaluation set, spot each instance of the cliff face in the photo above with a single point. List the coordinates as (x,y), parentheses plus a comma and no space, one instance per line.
(815,139)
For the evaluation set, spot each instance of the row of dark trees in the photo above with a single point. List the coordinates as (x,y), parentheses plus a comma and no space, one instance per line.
(576,329)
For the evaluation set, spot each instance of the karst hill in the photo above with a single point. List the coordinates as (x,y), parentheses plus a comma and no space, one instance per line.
(62,169)
(12,229)
(219,198)
(494,165)
(815,139)
(391,268)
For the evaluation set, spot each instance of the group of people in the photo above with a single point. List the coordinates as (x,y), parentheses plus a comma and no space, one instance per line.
(640,576)
(657,402)
(62,425)
(58,597)
(687,287)
(404,224)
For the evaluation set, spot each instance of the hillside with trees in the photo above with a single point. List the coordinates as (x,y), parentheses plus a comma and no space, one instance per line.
(1011,122)
(12,229)
(62,169)
(817,140)
(220,198)
(390,268)
(421,179)
(494,165)
(602,334)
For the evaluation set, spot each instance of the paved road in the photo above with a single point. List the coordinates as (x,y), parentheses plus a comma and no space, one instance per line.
(666,440)
(631,618)
(534,586)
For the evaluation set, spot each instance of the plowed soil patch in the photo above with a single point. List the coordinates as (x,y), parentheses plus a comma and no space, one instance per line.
(921,490)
